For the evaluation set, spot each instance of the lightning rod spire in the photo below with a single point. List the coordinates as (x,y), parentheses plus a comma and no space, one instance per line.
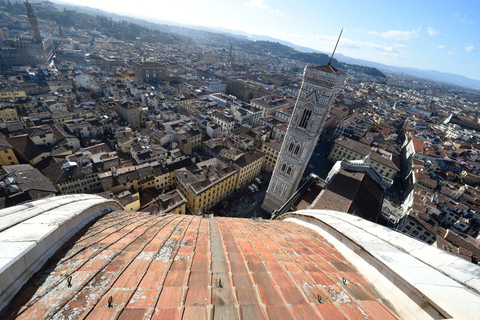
(330,62)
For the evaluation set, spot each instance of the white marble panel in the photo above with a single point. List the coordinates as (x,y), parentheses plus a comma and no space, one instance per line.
(26,232)
(458,302)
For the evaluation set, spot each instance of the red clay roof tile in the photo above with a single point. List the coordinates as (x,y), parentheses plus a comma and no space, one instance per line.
(170,298)
(187,267)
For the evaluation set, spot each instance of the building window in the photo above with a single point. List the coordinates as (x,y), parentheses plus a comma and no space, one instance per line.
(284,166)
(290,148)
(297,149)
(289,170)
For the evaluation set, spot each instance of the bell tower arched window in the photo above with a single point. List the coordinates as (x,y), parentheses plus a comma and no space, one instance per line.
(307,113)
(289,170)
(297,148)
(283,167)
(290,148)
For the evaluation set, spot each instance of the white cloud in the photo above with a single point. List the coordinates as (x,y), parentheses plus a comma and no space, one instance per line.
(441,46)
(432,32)
(277,11)
(386,48)
(398,45)
(464,19)
(398,34)
(450,53)
(354,44)
(257,3)
(470,48)
(362,50)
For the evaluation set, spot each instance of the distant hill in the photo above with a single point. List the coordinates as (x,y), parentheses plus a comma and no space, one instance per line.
(128,28)
(170,32)
(431,75)
(120,29)
(423,74)
(285,51)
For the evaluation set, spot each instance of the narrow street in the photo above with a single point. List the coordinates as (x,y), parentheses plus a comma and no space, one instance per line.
(243,203)
(319,163)
(246,204)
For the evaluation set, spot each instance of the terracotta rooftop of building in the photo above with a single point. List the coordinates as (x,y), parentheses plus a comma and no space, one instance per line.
(4,145)
(204,174)
(135,266)
(353,192)
(309,196)
(270,101)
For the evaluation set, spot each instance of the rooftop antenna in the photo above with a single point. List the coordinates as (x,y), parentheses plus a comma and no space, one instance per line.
(330,62)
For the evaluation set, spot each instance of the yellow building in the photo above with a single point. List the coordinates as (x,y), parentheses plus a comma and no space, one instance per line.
(134,205)
(8,112)
(165,178)
(133,177)
(13,94)
(340,112)
(191,107)
(249,166)
(271,148)
(7,156)
(352,150)
(130,200)
(61,117)
(125,140)
(205,184)
(26,150)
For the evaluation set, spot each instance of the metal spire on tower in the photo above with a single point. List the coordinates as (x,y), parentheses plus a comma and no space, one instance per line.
(330,62)
(314,102)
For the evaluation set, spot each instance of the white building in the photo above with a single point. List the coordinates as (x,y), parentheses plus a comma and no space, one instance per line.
(225,121)
(85,81)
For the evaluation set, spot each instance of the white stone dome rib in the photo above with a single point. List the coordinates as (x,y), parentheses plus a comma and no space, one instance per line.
(420,281)
(32,232)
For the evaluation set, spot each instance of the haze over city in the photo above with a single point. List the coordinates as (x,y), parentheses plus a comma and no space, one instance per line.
(428,35)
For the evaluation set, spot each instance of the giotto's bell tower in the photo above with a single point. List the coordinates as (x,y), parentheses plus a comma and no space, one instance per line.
(315,100)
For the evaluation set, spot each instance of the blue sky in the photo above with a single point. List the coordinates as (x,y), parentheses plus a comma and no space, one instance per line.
(431,35)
